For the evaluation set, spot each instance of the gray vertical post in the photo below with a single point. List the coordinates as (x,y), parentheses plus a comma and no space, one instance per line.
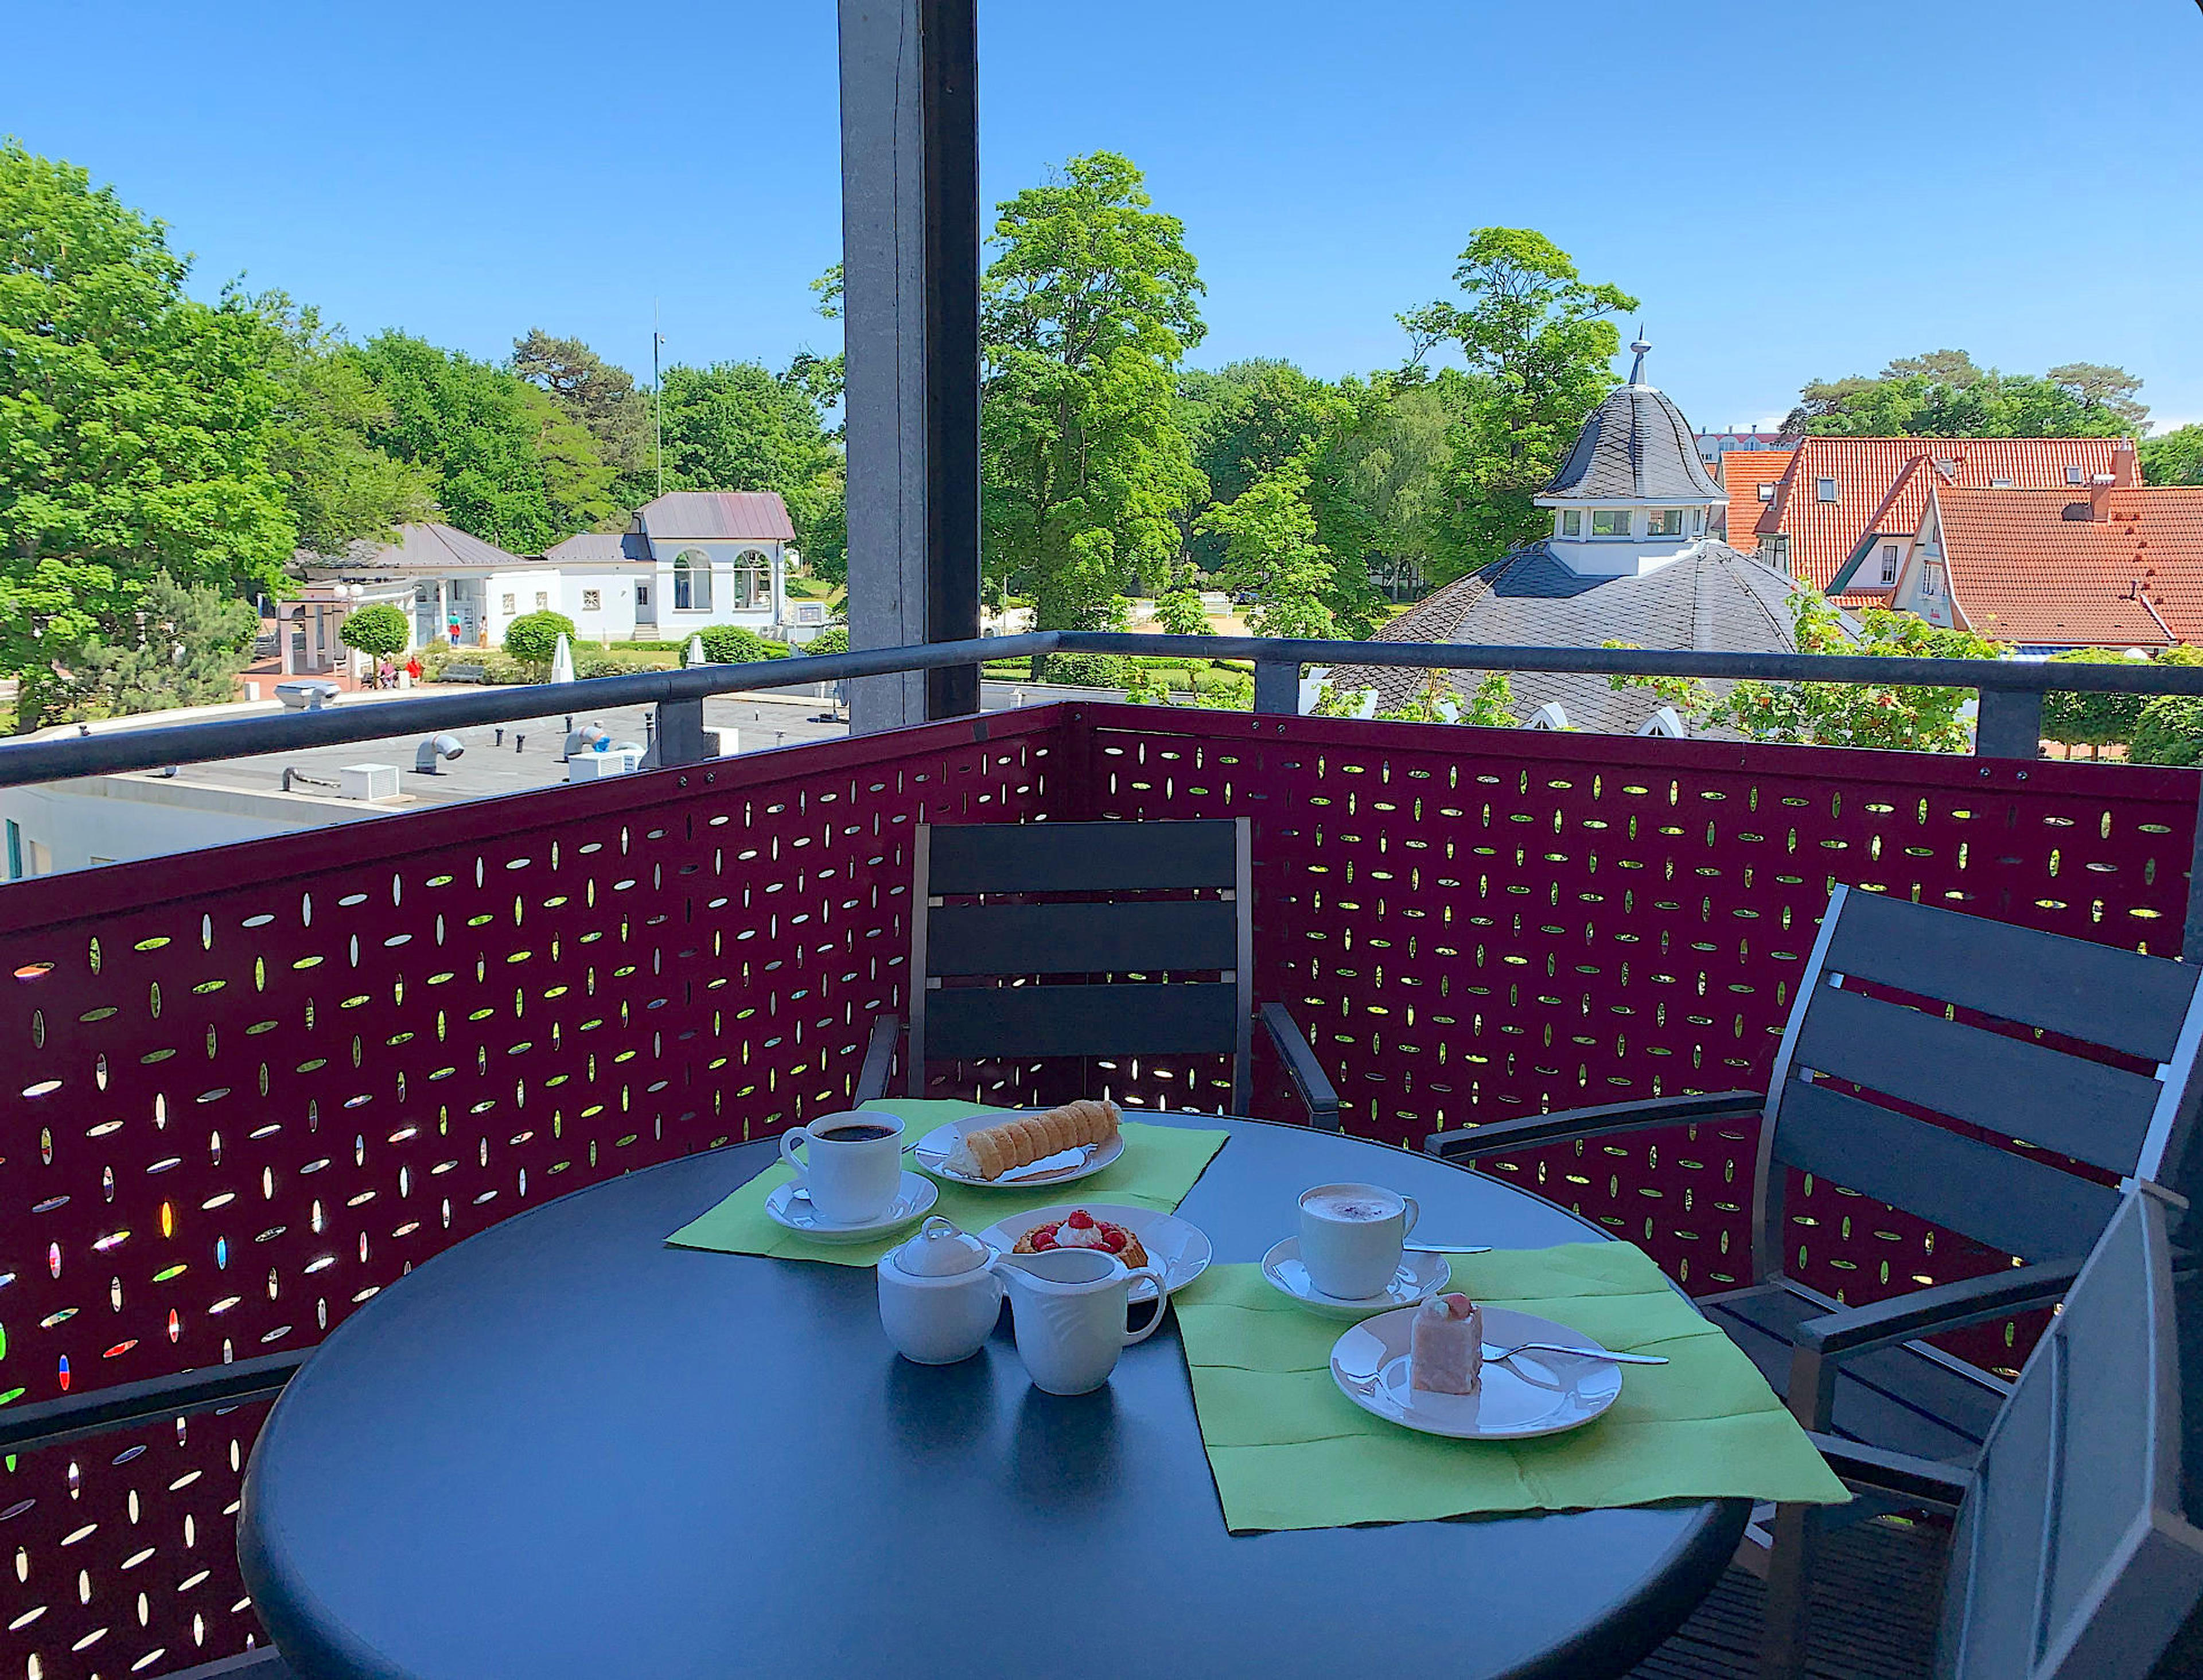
(2009,724)
(1277,685)
(677,734)
(908,145)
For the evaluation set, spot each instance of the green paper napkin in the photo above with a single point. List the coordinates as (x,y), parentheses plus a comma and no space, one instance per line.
(1157,1167)
(1288,1450)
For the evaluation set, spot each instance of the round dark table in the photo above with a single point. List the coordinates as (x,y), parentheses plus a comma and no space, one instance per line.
(563,1449)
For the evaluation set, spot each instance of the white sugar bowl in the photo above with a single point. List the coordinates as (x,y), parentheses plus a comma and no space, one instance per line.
(939,1298)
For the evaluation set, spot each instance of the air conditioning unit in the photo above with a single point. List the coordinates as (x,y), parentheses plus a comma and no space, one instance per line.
(367,781)
(595,766)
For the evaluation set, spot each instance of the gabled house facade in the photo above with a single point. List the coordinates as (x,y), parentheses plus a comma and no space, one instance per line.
(2112,563)
(1846,500)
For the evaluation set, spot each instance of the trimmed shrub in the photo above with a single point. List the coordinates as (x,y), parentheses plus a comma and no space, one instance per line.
(533,637)
(1091,671)
(732,644)
(834,639)
(2090,719)
(381,631)
(2170,731)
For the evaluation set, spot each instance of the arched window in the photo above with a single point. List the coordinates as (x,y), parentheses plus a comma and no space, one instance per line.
(692,581)
(752,580)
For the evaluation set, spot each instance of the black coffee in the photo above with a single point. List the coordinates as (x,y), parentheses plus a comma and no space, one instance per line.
(855,1135)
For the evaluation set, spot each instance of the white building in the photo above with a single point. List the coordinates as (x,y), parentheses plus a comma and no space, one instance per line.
(691,560)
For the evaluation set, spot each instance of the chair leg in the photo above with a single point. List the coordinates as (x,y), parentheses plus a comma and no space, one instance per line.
(1789,1592)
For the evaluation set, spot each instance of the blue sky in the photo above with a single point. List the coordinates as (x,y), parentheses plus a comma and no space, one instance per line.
(1794,192)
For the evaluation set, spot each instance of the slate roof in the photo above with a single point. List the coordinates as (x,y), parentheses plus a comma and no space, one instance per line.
(2031,567)
(601,548)
(1712,598)
(752,516)
(1634,446)
(1823,535)
(421,548)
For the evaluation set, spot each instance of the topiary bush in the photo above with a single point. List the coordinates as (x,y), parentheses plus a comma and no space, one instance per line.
(732,644)
(2170,731)
(533,637)
(1092,670)
(380,631)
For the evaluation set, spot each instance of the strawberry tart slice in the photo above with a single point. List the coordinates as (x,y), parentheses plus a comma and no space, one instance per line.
(1080,1229)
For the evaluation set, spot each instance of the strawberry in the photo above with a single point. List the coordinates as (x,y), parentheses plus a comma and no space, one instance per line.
(1113,1238)
(1080,1220)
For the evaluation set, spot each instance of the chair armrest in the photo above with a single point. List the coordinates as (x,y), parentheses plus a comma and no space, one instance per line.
(1647,1113)
(879,1057)
(1306,1072)
(1925,1312)
(50,1423)
(1917,1480)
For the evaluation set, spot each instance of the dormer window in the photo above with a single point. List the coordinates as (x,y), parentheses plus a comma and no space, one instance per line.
(1827,489)
(2072,474)
(1664,521)
(1766,491)
(1609,521)
(1571,522)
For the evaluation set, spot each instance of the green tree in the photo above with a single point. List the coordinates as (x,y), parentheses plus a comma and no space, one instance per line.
(1897,716)
(533,637)
(738,426)
(2092,720)
(182,646)
(1271,552)
(1944,393)
(339,486)
(1180,613)
(2177,458)
(134,428)
(508,465)
(381,631)
(1091,302)
(1537,344)
(602,398)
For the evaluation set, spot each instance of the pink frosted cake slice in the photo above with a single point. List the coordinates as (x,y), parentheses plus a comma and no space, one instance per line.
(1445,1353)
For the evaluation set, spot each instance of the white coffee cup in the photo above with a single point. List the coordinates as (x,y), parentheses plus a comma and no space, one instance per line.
(1351,1236)
(850,1166)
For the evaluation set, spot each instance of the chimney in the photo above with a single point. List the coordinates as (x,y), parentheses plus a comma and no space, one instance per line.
(2123,465)
(2100,496)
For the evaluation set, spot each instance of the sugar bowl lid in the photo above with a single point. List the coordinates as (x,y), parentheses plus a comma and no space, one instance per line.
(940,1250)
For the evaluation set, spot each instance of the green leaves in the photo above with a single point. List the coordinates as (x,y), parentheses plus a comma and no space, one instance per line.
(1271,552)
(380,630)
(1944,393)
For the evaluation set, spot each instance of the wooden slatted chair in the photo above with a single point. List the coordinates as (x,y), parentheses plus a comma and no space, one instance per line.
(1037,885)
(1864,1372)
(2077,1553)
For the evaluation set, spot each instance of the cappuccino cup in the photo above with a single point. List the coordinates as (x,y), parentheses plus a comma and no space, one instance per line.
(848,1164)
(1351,1236)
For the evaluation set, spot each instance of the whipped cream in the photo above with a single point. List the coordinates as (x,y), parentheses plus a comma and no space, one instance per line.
(1068,1235)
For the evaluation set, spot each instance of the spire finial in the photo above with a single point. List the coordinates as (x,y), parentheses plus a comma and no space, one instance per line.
(1641,346)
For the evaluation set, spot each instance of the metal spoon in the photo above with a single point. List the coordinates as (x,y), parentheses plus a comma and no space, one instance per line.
(1493,1352)
(1445,1248)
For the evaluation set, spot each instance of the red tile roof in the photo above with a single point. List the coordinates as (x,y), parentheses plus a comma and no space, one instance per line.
(1867,470)
(2031,567)
(1742,472)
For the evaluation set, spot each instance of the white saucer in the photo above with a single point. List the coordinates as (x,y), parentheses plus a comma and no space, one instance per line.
(1420,1276)
(1179,1251)
(1066,1167)
(1531,1394)
(788,1207)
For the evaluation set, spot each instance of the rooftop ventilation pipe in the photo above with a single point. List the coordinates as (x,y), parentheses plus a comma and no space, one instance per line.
(436,747)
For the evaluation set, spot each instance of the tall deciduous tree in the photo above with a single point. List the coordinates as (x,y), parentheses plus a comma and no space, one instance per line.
(2177,458)
(1091,302)
(737,426)
(1945,393)
(1271,552)
(1538,345)
(509,466)
(134,427)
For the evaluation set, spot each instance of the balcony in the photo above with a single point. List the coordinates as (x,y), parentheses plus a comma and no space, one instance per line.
(249,1090)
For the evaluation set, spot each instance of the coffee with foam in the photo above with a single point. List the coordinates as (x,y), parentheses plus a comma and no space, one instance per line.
(1351,1237)
(1352,1207)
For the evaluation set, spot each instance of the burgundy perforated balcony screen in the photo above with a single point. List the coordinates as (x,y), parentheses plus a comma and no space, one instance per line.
(248,1089)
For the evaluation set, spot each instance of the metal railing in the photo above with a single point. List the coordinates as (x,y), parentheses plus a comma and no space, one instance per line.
(2009,724)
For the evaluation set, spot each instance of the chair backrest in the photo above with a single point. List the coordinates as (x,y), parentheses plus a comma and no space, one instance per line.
(1048,906)
(2035,1090)
(2075,1557)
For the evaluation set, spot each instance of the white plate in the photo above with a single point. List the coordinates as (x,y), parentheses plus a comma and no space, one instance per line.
(789,1207)
(1179,1251)
(1420,1276)
(1064,1167)
(1531,1394)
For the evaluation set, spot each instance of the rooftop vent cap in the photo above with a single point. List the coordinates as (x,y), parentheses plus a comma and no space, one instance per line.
(436,747)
